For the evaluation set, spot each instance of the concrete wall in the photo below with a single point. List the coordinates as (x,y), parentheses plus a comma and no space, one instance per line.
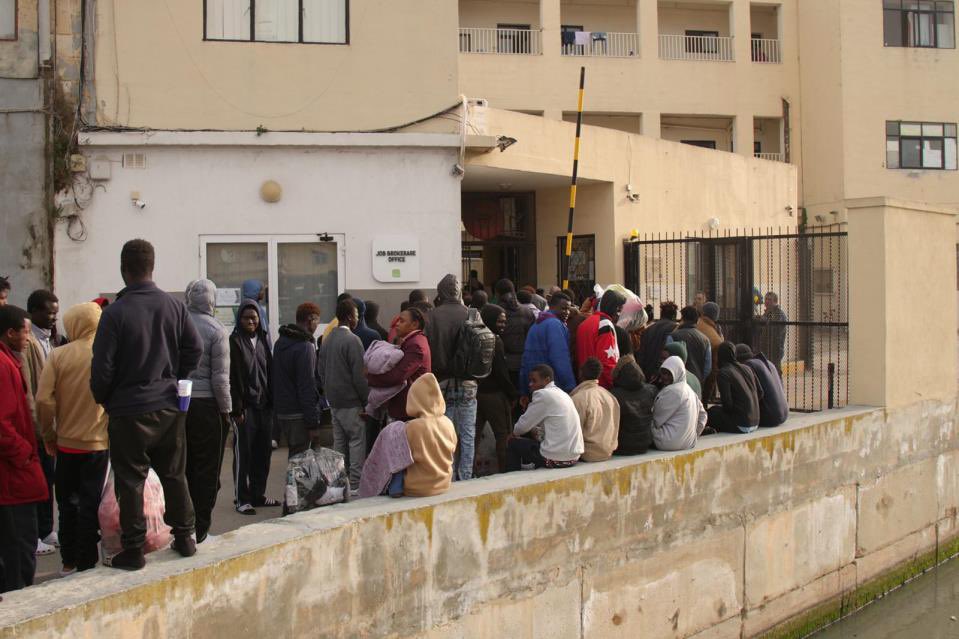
(731,539)
(19,58)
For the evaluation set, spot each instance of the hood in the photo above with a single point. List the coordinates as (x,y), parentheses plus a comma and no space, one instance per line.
(546,315)
(711,310)
(245,304)
(678,349)
(201,296)
(743,353)
(372,312)
(726,354)
(490,313)
(80,321)
(508,301)
(633,316)
(675,366)
(628,374)
(425,398)
(295,333)
(360,308)
(250,289)
(448,290)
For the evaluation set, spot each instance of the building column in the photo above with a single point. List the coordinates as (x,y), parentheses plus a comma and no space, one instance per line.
(550,20)
(740,27)
(743,134)
(647,25)
(651,124)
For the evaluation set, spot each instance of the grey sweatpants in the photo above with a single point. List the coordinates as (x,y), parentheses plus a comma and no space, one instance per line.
(349,439)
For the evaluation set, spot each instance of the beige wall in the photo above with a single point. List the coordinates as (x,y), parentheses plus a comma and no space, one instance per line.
(764,20)
(18,58)
(166,76)
(719,130)
(676,21)
(604,15)
(489,13)
(629,123)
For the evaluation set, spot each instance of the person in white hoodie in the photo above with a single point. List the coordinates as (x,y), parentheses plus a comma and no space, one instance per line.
(678,414)
(552,420)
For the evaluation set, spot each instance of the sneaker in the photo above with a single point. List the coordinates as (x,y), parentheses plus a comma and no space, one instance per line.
(52,539)
(66,571)
(44,549)
(184,545)
(246,509)
(274,444)
(131,559)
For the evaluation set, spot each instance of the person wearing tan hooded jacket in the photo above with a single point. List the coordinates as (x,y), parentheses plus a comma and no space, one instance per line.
(598,413)
(74,429)
(432,440)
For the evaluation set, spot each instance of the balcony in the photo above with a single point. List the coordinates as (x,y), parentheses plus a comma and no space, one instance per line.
(767,51)
(772,157)
(501,41)
(600,44)
(696,47)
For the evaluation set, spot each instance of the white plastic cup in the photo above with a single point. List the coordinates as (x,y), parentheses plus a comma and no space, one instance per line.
(184,389)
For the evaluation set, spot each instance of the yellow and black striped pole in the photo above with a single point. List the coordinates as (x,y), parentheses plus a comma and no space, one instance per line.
(572,186)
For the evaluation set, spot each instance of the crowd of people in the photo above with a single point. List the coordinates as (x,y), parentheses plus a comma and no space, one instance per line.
(558,380)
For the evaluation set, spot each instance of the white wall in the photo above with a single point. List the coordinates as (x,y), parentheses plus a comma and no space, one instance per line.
(359,192)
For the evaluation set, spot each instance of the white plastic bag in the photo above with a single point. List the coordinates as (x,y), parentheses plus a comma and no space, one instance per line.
(159,534)
(315,478)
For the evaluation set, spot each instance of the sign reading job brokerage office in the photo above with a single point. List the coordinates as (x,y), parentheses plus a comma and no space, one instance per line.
(396,258)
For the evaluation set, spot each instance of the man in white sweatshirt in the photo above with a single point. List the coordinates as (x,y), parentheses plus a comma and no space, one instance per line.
(555,436)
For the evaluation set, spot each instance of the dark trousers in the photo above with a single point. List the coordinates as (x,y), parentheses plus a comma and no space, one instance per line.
(251,456)
(205,438)
(137,443)
(298,436)
(495,408)
(523,450)
(80,478)
(722,421)
(45,508)
(18,546)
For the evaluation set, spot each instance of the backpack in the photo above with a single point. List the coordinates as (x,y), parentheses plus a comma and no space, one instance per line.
(473,357)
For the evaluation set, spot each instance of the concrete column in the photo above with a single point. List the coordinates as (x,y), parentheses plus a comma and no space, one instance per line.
(900,260)
(651,125)
(647,25)
(740,28)
(743,134)
(550,20)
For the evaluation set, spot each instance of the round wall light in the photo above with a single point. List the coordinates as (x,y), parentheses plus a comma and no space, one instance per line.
(271,191)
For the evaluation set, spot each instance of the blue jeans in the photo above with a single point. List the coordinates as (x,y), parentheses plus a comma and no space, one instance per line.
(461,410)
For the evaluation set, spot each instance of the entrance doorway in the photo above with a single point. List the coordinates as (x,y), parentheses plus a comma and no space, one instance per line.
(582,274)
(499,238)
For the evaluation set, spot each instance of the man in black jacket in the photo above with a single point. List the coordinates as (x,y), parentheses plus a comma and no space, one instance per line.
(296,397)
(145,342)
(698,347)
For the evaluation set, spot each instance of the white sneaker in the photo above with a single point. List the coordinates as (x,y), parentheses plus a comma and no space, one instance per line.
(44,549)
(66,573)
(52,539)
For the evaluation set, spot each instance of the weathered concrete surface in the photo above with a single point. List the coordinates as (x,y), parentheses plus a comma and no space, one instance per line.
(731,539)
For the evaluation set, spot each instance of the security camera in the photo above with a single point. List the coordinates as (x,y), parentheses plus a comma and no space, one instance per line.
(140,204)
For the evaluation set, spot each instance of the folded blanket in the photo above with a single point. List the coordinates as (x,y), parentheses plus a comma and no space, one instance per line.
(380,358)
(390,454)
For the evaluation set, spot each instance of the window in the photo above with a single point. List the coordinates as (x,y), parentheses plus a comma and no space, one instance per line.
(8,19)
(920,145)
(515,38)
(701,41)
(919,23)
(312,21)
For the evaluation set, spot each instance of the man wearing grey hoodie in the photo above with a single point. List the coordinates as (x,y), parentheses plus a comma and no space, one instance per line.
(442,331)
(208,418)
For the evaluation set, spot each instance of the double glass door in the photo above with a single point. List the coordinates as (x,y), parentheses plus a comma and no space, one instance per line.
(293,268)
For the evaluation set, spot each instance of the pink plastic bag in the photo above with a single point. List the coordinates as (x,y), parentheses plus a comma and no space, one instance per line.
(159,534)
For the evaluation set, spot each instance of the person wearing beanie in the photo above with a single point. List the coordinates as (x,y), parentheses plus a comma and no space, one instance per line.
(709,327)
(497,393)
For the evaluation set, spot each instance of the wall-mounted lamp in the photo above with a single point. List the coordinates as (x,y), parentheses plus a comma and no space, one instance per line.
(630,194)
(271,191)
(789,210)
(713,223)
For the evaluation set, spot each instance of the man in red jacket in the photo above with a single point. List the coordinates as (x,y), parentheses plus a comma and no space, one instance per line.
(22,484)
(596,336)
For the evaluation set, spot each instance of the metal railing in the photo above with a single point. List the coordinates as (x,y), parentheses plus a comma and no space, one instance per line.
(502,41)
(606,45)
(684,47)
(775,157)
(769,51)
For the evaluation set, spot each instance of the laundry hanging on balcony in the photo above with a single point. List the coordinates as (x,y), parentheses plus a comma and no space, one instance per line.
(583,38)
(569,37)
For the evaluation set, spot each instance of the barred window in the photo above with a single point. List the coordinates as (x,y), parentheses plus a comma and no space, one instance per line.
(920,145)
(309,21)
(919,23)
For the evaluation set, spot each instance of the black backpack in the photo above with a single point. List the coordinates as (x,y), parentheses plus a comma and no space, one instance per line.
(473,358)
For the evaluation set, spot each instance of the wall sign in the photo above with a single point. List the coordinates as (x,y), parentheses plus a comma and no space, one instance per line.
(396,258)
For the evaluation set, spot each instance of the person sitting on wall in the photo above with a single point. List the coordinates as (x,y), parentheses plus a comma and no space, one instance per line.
(678,349)
(773,407)
(739,394)
(678,415)
(636,398)
(432,440)
(551,420)
(598,413)
(654,338)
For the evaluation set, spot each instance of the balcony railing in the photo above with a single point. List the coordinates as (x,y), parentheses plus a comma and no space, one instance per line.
(769,51)
(605,45)
(684,47)
(503,41)
(774,157)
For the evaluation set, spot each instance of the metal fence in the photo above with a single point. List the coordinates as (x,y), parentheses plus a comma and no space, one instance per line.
(804,330)
(606,45)
(502,41)
(687,47)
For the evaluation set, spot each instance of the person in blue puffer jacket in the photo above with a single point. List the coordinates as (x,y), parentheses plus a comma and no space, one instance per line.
(548,343)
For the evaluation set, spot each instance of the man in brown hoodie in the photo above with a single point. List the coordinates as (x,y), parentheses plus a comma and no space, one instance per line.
(74,429)
(432,440)
(714,333)
(598,413)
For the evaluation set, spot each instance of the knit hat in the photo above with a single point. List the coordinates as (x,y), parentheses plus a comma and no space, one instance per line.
(711,310)
(743,352)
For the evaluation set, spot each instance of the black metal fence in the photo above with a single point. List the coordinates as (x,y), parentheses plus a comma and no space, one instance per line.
(782,291)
